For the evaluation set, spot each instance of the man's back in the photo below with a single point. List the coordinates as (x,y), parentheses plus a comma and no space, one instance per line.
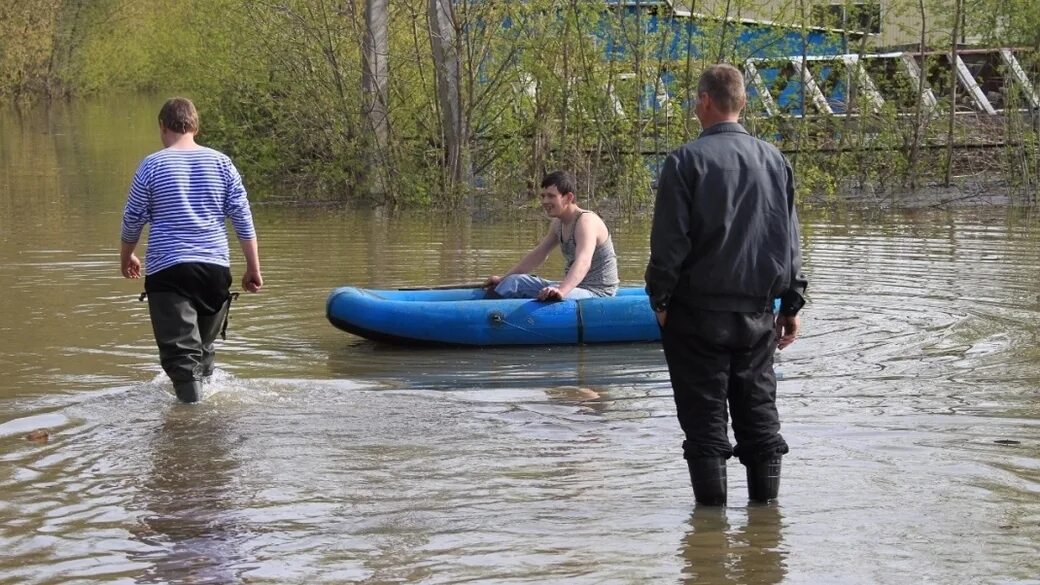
(735,196)
(186,195)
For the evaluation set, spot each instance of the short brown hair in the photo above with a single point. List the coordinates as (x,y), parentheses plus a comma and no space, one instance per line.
(725,84)
(179,115)
(562,180)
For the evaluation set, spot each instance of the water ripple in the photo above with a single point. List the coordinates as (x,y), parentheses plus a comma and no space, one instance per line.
(910,404)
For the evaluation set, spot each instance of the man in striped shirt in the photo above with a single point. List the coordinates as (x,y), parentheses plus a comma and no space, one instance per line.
(186,192)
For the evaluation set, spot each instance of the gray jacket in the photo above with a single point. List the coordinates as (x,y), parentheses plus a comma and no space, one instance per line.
(725,231)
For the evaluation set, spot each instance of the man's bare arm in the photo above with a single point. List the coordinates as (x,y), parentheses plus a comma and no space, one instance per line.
(533,259)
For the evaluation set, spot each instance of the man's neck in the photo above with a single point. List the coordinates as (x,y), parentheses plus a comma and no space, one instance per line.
(180,141)
(708,122)
(570,213)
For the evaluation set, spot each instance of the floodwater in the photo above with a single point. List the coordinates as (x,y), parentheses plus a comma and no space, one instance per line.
(911,404)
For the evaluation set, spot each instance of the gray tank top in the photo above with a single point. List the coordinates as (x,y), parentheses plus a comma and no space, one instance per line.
(602,278)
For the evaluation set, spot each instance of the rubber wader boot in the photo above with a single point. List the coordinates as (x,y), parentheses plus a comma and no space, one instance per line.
(763,479)
(190,391)
(708,476)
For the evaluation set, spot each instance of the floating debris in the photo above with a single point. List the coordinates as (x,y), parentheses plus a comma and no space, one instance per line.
(38,436)
(576,393)
(1007,442)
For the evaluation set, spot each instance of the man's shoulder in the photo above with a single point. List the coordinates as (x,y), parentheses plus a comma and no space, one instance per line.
(153,157)
(709,143)
(703,144)
(203,160)
(693,152)
(765,143)
(200,152)
(770,150)
(215,153)
(151,162)
(597,223)
(692,146)
(212,154)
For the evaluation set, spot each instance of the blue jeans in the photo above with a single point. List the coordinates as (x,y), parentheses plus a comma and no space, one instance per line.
(526,286)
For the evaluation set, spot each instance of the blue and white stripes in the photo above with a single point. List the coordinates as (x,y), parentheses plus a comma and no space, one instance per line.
(186,195)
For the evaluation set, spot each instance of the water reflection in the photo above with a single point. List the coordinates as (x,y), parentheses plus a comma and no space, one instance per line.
(188,518)
(752,554)
(592,367)
(361,462)
(559,382)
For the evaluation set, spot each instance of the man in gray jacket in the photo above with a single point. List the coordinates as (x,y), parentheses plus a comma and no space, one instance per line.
(723,248)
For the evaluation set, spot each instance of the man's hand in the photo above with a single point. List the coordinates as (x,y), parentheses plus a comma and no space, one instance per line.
(492,282)
(550,293)
(786,330)
(131,266)
(662,316)
(252,281)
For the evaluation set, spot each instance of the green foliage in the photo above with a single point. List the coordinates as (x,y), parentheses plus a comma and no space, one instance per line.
(27,35)
(543,84)
(1014,23)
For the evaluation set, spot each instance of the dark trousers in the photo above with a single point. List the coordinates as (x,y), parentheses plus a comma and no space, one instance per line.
(715,359)
(185,335)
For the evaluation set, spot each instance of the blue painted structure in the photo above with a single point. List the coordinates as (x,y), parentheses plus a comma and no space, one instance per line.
(736,41)
(747,38)
(700,37)
(462,317)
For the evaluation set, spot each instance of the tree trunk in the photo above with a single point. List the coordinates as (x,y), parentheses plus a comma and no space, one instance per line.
(915,144)
(721,55)
(689,112)
(637,128)
(67,19)
(447,72)
(802,76)
(958,6)
(374,83)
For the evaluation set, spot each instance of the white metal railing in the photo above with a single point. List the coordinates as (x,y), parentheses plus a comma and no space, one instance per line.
(795,69)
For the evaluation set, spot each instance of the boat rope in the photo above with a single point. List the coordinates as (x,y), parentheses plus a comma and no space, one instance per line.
(500,319)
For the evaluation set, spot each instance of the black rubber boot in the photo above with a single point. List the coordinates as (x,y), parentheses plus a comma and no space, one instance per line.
(190,391)
(708,476)
(763,479)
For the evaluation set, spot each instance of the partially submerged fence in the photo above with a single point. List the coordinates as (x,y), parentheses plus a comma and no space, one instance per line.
(989,80)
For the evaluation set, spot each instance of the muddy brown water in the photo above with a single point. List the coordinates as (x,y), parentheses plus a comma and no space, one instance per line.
(912,406)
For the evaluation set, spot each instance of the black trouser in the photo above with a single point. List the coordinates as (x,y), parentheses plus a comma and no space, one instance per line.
(185,337)
(715,358)
(188,305)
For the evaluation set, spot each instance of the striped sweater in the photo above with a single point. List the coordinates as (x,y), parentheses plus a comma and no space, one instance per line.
(186,196)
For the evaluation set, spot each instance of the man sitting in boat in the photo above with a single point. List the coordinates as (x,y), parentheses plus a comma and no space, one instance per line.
(586,245)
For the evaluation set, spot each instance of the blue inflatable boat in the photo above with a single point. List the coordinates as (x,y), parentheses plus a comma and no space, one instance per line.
(463,317)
